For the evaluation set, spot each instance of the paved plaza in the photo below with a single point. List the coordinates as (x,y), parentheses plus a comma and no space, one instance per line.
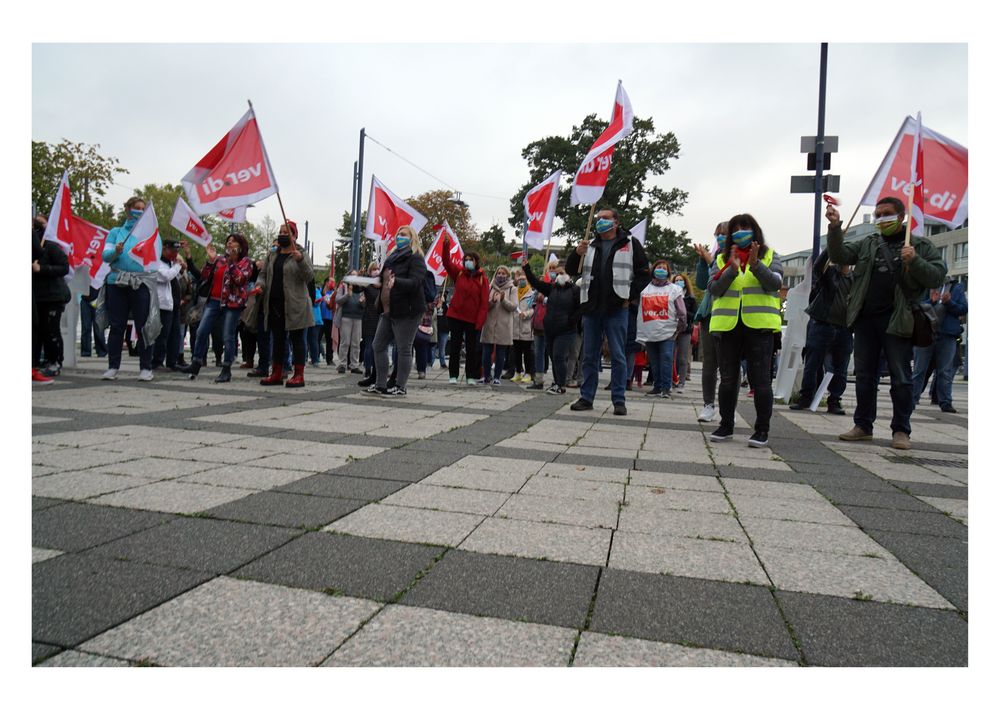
(186,523)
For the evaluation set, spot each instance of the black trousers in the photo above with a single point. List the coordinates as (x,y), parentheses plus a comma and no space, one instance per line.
(522,358)
(328,340)
(279,336)
(50,316)
(755,346)
(459,330)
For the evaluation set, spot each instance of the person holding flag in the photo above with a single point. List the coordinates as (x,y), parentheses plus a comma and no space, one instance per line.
(130,288)
(889,275)
(466,314)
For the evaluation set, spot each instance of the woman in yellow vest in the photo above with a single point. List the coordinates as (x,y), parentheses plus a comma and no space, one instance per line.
(746,311)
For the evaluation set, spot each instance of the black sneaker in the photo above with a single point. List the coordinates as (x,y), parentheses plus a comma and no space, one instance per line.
(948,409)
(833,407)
(758,440)
(367,382)
(374,390)
(797,405)
(655,392)
(722,434)
(357,371)
(581,405)
(395,391)
(535,386)
(620,409)
(340,370)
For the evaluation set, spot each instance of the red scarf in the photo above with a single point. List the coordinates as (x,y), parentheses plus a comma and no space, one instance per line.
(744,255)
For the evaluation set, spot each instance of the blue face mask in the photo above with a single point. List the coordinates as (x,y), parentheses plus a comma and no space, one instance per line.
(402,242)
(660,274)
(470,265)
(743,237)
(604,225)
(720,239)
(134,215)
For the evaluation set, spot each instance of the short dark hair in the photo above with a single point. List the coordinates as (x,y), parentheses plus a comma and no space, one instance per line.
(242,241)
(474,256)
(130,202)
(895,202)
(612,210)
(744,221)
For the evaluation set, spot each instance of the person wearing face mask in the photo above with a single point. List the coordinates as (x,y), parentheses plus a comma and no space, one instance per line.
(168,291)
(401,307)
(350,301)
(521,364)
(332,319)
(705,269)
(562,314)
(661,316)
(369,324)
(498,330)
(128,289)
(466,314)
(51,294)
(285,288)
(746,311)
(229,278)
(682,347)
(888,277)
(615,270)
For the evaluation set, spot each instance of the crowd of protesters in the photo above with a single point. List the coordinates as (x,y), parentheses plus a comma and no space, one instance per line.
(606,304)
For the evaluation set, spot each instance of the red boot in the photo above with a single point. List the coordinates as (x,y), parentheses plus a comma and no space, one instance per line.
(275,376)
(298,379)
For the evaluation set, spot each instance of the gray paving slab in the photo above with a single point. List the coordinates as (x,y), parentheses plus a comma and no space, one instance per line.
(79,485)
(74,597)
(547,541)
(808,511)
(411,636)
(585,473)
(932,550)
(218,546)
(77,526)
(172,497)
(906,521)
(935,489)
(507,587)
(893,499)
(41,503)
(390,522)
(256,478)
(569,511)
(681,467)
(842,632)
(605,651)
(681,481)
(291,510)
(699,501)
(720,615)
(457,500)
(344,564)
(669,521)
(800,535)
(41,651)
(338,486)
(229,622)
(574,488)
(686,557)
(76,659)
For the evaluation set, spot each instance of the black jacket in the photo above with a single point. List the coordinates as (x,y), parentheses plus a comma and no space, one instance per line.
(406,300)
(601,288)
(829,293)
(562,311)
(49,284)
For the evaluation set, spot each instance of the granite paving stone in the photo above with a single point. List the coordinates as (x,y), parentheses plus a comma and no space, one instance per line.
(410,636)
(285,509)
(571,488)
(507,587)
(228,622)
(41,651)
(686,557)
(338,486)
(355,566)
(601,650)
(680,481)
(522,538)
(80,485)
(457,500)
(700,501)
(76,659)
(808,511)
(669,521)
(569,511)
(77,526)
(172,497)
(390,522)
(485,480)
(254,478)
(811,536)
(906,521)
(41,503)
(585,473)
(40,555)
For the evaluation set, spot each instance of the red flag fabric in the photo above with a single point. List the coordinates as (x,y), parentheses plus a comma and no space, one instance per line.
(945,174)
(540,211)
(234,173)
(147,231)
(917,182)
(88,243)
(60,217)
(387,213)
(187,223)
(435,255)
(234,214)
(592,176)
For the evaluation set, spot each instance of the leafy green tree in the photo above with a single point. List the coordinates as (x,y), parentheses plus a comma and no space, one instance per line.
(643,155)
(436,206)
(91,175)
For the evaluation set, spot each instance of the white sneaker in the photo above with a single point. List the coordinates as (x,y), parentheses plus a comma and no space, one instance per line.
(707,414)
(110,374)
(146,375)
(452,380)
(471,381)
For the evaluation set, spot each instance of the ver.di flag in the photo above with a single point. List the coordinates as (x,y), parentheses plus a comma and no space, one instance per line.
(435,255)
(639,231)
(147,231)
(917,182)
(60,217)
(234,214)
(234,173)
(387,213)
(540,211)
(592,176)
(185,221)
(81,241)
(945,174)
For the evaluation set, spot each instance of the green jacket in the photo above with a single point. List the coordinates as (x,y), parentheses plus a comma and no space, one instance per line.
(927,270)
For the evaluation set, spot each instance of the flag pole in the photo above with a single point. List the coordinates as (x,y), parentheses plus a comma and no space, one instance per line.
(909,215)
(590,221)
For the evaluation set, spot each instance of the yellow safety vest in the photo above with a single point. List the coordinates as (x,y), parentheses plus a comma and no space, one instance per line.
(746,299)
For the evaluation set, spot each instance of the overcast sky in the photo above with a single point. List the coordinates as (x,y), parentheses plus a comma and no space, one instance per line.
(464,112)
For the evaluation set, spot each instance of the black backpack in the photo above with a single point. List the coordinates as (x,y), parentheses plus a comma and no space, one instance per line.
(430,287)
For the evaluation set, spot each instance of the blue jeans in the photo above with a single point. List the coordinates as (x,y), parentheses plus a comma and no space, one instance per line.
(88,327)
(312,336)
(823,339)
(943,352)
(442,346)
(167,346)
(661,363)
(501,358)
(541,356)
(230,319)
(870,341)
(596,326)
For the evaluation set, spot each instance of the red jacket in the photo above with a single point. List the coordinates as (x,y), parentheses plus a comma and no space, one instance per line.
(470,301)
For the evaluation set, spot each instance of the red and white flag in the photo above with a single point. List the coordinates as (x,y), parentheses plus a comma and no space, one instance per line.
(189,224)
(147,231)
(234,173)
(917,182)
(234,214)
(540,211)
(82,241)
(387,213)
(639,231)
(435,255)
(945,174)
(592,176)
(61,217)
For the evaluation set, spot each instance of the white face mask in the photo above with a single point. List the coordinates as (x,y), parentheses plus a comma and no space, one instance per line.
(562,279)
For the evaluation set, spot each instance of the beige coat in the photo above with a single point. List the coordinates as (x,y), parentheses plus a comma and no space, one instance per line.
(298,288)
(522,326)
(499,326)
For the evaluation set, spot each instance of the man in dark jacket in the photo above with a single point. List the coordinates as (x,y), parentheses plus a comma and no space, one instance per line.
(888,277)
(827,334)
(615,270)
(950,304)
(51,296)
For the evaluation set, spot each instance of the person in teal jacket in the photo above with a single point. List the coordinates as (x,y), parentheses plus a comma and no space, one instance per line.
(129,290)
